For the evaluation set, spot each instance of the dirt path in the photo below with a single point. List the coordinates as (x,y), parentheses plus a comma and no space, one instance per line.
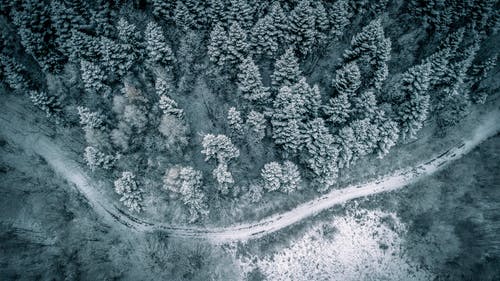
(19,130)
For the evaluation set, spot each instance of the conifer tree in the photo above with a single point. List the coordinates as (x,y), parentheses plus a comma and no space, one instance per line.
(131,194)
(49,104)
(157,49)
(237,45)
(287,120)
(235,122)
(272,174)
(162,9)
(250,82)
(365,104)
(256,124)
(339,17)
(183,18)
(223,177)
(66,16)
(264,37)
(366,137)
(97,159)
(321,153)
(345,139)
(280,21)
(216,11)
(219,148)
(116,58)
(286,70)
(13,73)
(322,23)
(388,133)
(414,106)
(347,79)
(303,31)
(187,183)
(338,109)
(93,78)
(217,47)
(310,95)
(102,18)
(129,38)
(240,12)
(281,177)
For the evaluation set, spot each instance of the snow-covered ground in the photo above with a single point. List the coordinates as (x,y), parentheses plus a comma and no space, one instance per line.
(362,245)
(19,130)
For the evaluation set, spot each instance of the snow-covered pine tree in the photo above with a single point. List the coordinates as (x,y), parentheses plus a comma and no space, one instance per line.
(235,122)
(102,18)
(219,148)
(272,175)
(291,177)
(366,137)
(237,45)
(187,182)
(66,16)
(339,17)
(338,109)
(345,139)
(183,18)
(264,38)
(310,95)
(129,38)
(322,23)
(256,124)
(223,177)
(303,33)
(388,133)
(49,104)
(131,194)
(13,73)
(97,159)
(93,78)
(90,120)
(162,9)
(321,153)
(218,45)
(287,120)
(286,70)
(414,106)
(280,22)
(364,105)
(241,12)
(157,49)
(371,45)
(116,58)
(347,79)
(216,11)
(250,82)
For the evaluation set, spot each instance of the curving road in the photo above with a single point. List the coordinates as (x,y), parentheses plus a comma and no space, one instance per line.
(16,127)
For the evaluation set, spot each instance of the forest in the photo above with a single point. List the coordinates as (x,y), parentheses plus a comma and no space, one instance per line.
(209,113)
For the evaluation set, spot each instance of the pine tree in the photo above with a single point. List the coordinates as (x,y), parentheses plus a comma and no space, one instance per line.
(286,70)
(116,58)
(310,95)
(250,82)
(131,194)
(219,148)
(345,139)
(97,159)
(49,104)
(237,45)
(223,177)
(90,120)
(65,16)
(338,109)
(187,183)
(347,79)
(414,106)
(303,31)
(366,137)
(217,47)
(102,18)
(280,22)
(291,177)
(256,124)
(321,153)
(272,174)
(13,73)
(322,23)
(264,38)
(157,49)
(287,120)
(388,133)
(240,12)
(235,122)
(339,17)
(170,107)
(216,11)
(93,78)
(365,105)
(129,38)
(183,18)
(162,9)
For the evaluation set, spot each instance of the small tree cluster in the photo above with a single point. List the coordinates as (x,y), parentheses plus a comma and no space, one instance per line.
(186,182)
(222,150)
(131,195)
(49,104)
(13,73)
(93,77)
(97,159)
(283,177)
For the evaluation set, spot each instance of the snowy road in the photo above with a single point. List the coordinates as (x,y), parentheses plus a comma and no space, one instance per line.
(16,128)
